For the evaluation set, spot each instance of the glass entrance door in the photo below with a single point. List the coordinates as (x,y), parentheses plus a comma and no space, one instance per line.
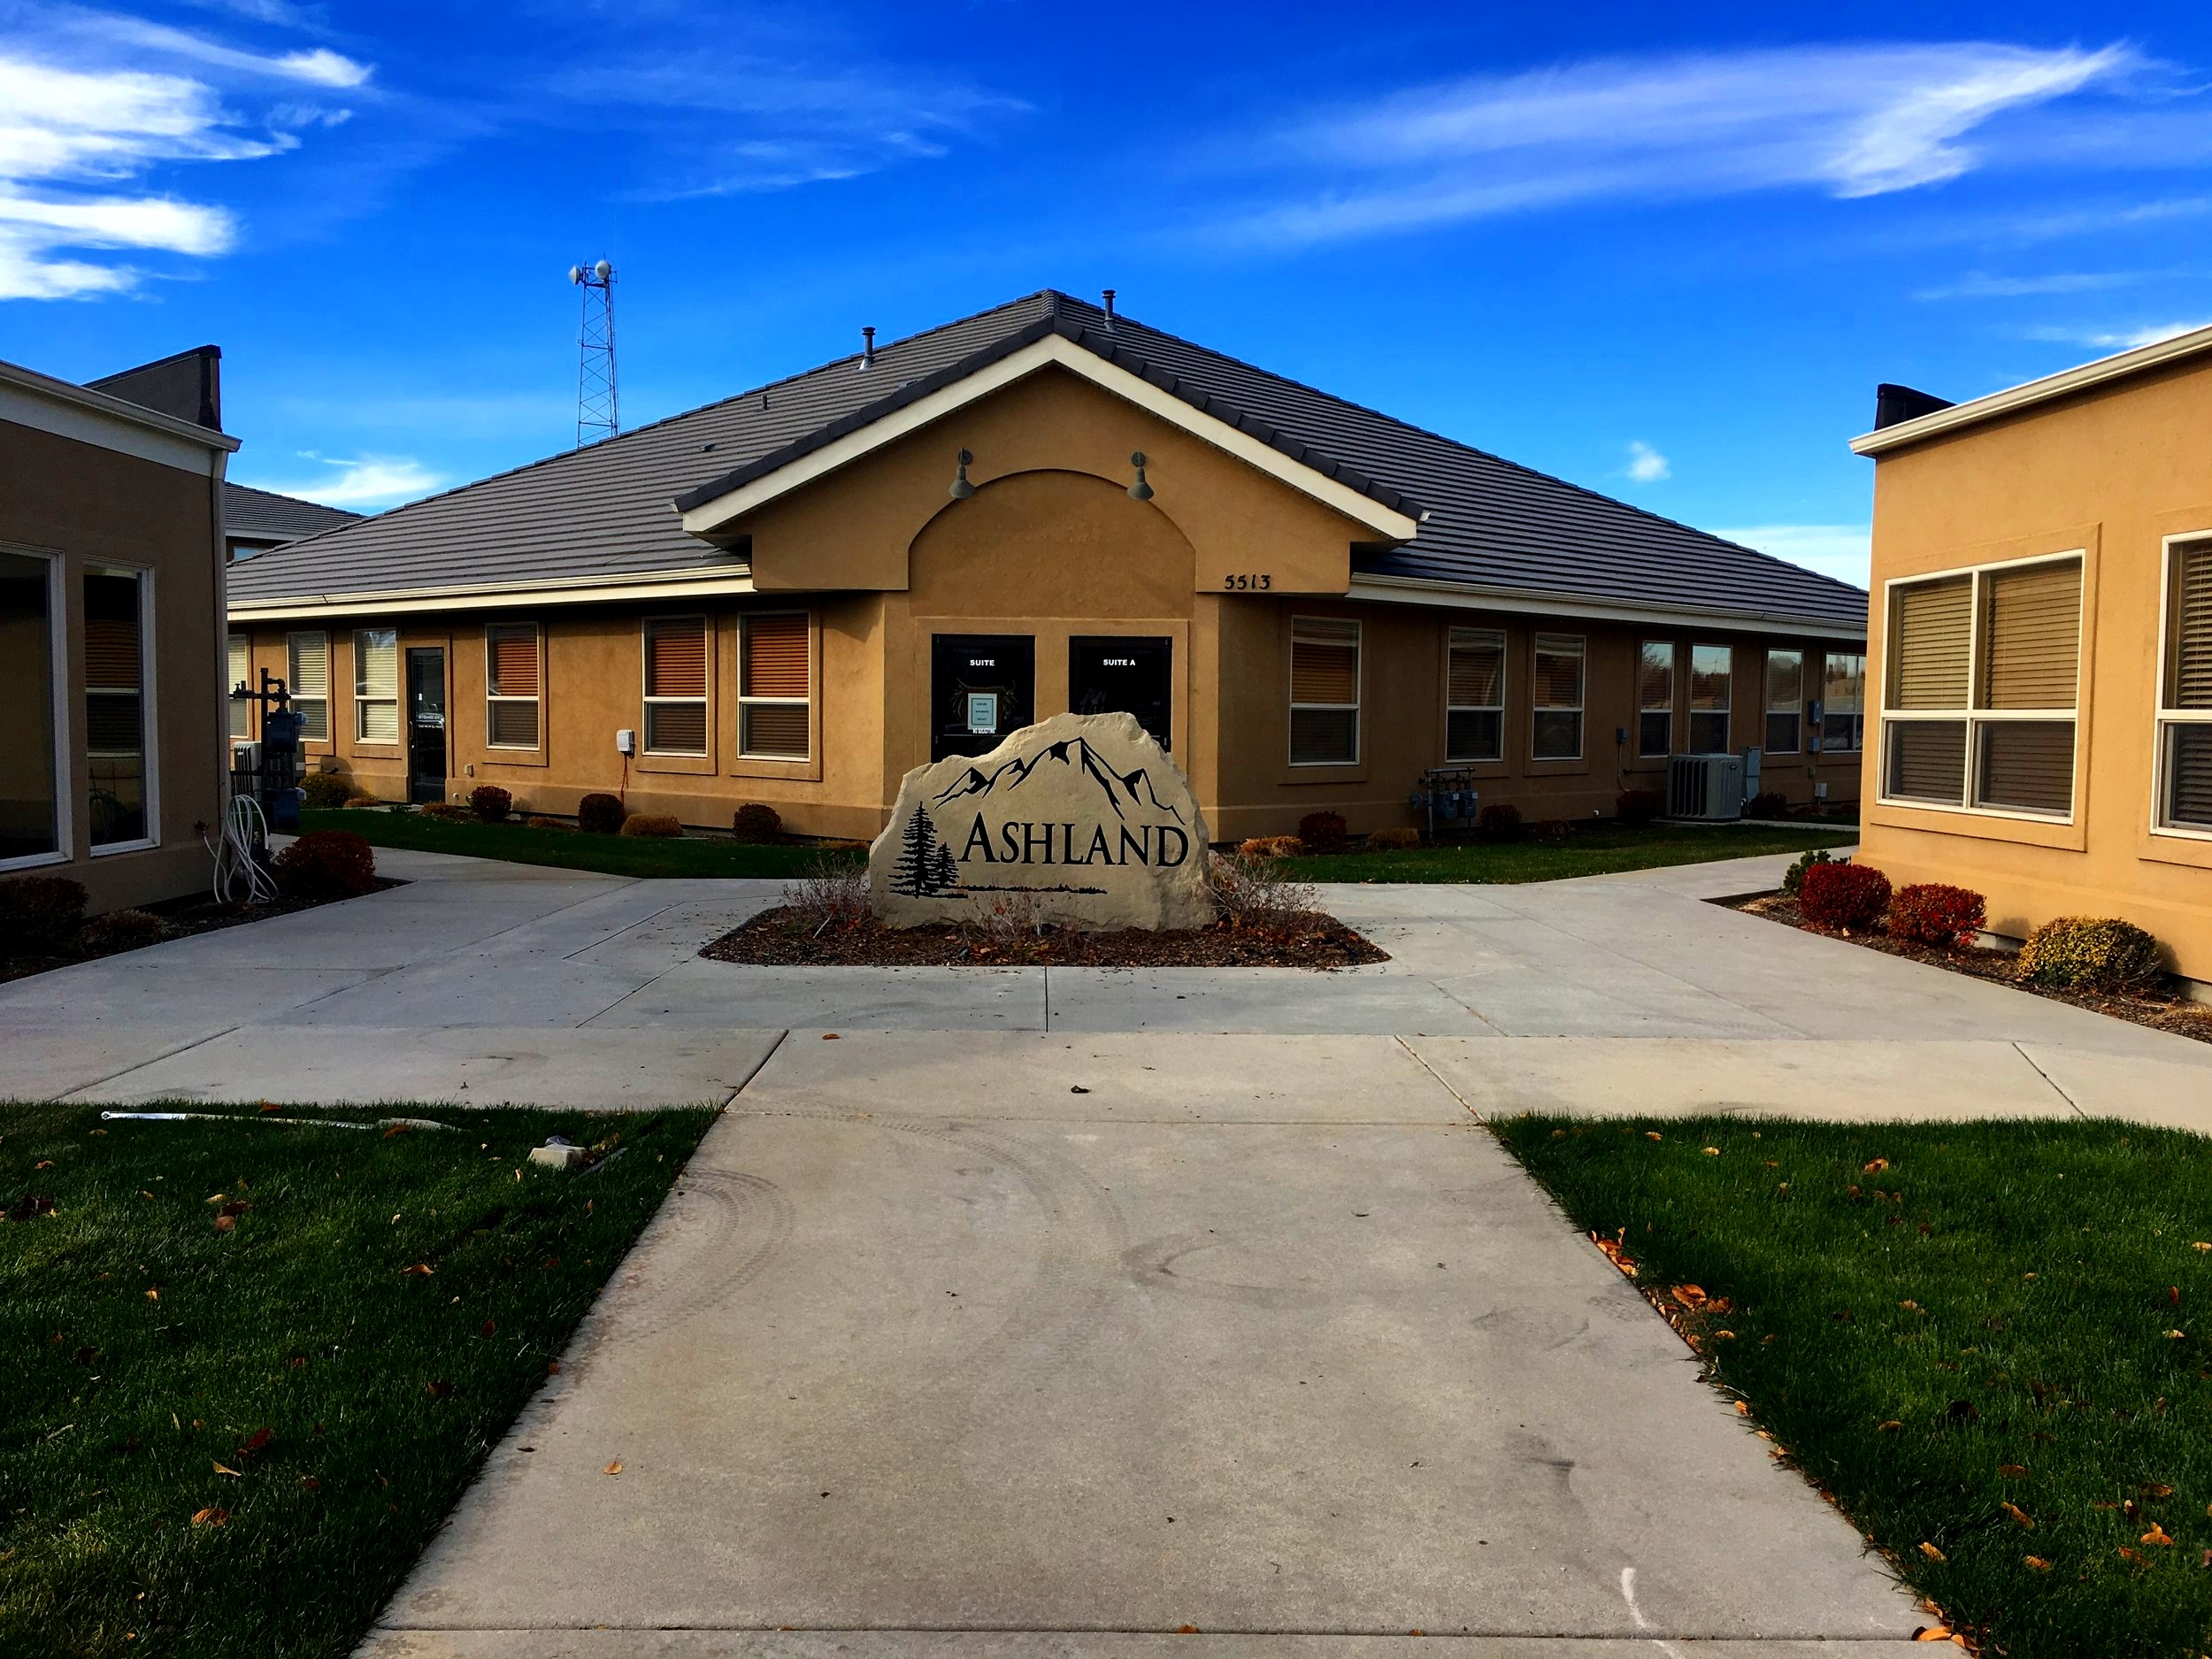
(982,686)
(426,724)
(1109,675)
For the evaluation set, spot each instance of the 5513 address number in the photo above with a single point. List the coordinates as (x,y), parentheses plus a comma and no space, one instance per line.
(1248,582)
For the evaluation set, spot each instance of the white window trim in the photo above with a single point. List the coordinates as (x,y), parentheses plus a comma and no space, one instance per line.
(1766,696)
(1452,638)
(1858,713)
(1674,694)
(1581,707)
(1970,716)
(2167,717)
(537,635)
(398,699)
(58,670)
(149,712)
(1359,693)
(1727,711)
(745,700)
(291,687)
(645,672)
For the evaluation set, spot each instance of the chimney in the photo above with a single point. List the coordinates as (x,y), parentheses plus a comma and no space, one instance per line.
(187,386)
(1895,404)
(867,348)
(1109,296)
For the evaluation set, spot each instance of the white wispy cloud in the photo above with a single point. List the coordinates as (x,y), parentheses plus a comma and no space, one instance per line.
(1977,286)
(2125,339)
(363,480)
(1841,550)
(1849,121)
(1645,464)
(83,116)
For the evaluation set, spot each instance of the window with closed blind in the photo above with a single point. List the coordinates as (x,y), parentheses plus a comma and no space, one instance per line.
(307,677)
(376,685)
(1655,699)
(1711,675)
(676,686)
(1786,691)
(1980,695)
(1556,694)
(1324,691)
(118,765)
(239,672)
(2184,711)
(510,684)
(1474,713)
(1842,693)
(772,686)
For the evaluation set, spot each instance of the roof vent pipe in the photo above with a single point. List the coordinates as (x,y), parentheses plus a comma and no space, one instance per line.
(1108,295)
(867,348)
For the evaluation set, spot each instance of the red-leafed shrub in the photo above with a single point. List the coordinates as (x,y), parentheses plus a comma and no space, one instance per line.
(327,864)
(600,815)
(1499,822)
(1844,895)
(1324,832)
(1637,808)
(1768,804)
(1931,913)
(490,802)
(757,825)
(39,914)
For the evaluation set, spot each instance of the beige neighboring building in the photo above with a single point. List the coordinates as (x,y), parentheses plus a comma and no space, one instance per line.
(2042,645)
(796,595)
(112,756)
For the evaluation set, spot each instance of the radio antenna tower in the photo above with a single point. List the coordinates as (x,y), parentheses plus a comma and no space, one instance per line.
(598,414)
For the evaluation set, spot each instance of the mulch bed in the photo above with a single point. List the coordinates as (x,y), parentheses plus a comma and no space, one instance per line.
(185,916)
(788,938)
(2176,1014)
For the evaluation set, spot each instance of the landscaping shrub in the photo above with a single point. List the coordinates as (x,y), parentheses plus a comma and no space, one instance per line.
(1932,913)
(538,821)
(363,800)
(1271,847)
(756,825)
(2086,953)
(327,864)
(1793,878)
(39,914)
(600,814)
(829,892)
(1323,831)
(1637,808)
(1499,823)
(1253,893)
(444,812)
(123,930)
(661,825)
(1767,804)
(1396,840)
(1844,895)
(490,802)
(324,789)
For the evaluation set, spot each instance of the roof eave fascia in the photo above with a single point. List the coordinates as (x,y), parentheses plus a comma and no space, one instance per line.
(705,582)
(2032,393)
(710,517)
(1465,596)
(121,409)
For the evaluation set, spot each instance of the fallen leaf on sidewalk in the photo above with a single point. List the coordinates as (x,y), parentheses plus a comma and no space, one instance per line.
(612,1468)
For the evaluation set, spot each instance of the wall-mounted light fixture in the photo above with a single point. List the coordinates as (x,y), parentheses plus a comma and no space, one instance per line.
(1140,490)
(961,488)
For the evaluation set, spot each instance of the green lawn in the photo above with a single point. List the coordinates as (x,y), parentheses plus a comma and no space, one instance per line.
(570,849)
(235,1442)
(1594,852)
(1996,1348)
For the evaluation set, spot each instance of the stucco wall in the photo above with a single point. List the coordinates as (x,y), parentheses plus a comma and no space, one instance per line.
(2112,473)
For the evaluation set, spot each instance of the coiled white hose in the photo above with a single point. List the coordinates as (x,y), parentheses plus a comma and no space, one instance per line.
(239,878)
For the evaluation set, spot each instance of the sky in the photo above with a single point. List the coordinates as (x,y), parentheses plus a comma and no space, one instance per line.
(1665,252)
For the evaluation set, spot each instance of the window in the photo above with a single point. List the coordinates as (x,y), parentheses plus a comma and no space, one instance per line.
(2184,715)
(1711,668)
(31,820)
(1654,698)
(510,684)
(1323,691)
(1979,709)
(1474,712)
(240,674)
(771,686)
(307,658)
(115,633)
(1843,685)
(1785,692)
(676,686)
(376,685)
(1558,697)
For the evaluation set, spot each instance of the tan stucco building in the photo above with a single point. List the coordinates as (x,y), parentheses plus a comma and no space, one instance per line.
(113,758)
(795,596)
(2042,645)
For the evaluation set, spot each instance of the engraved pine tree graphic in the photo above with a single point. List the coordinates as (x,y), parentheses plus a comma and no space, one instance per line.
(924,867)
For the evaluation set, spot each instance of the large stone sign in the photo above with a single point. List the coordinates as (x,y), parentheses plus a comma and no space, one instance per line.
(1084,813)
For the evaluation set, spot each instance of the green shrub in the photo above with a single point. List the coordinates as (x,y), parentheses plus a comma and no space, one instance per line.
(661,825)
(490,802)
(39,914)
(2085,953)
(1793,878)
(123,930)
(324,789)
(757,825)
(600,814)
(1323,831)
(327,864)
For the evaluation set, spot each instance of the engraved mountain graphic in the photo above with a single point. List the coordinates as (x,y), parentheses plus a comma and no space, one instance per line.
(1135,787)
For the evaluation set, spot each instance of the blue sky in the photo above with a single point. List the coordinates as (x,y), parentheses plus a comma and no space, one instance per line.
(1664,252)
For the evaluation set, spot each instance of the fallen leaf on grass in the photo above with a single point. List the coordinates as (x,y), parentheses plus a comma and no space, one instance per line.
(438,1390)
(1890,1427)
(1743,1407)
(420,1270)
(2135,1555)
(490,1327)
(310,1483)
(224,1469)
(1712,1152)
(1690,1296)
(2012,1472)
(154,1294)
(1909,1306)
(259,1439)
(2036,1563)
(44,1164)
(1873,1166)
(2157,1535)
(1931,1552)
(1652,1134)
(2019,1515)
(211,1516)
(612,1468)
(226,1224)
